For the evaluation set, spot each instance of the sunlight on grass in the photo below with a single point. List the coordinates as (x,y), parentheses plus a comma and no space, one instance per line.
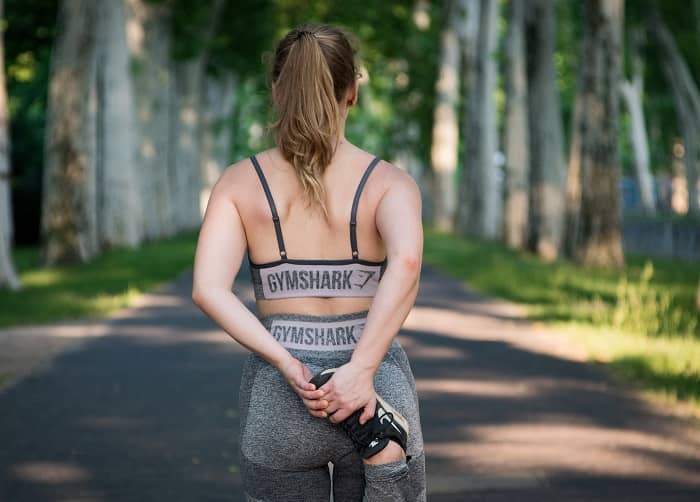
(110,282)
(640,321)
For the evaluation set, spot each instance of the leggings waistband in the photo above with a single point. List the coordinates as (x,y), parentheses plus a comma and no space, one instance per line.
(318,333)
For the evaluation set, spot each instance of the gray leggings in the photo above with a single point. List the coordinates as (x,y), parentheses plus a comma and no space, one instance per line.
(285,452)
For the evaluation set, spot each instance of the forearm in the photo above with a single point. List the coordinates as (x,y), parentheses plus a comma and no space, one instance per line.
(393,300)
(225,309)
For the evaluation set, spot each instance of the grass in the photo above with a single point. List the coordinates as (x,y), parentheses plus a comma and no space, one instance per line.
(641,320)
(95,289)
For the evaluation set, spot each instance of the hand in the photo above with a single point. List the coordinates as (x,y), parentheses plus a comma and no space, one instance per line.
(350,389)
(298,375)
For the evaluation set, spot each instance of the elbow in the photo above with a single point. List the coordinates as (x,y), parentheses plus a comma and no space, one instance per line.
(198,296)
(410,265)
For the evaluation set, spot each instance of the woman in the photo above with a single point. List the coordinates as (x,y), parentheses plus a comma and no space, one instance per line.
(323,300)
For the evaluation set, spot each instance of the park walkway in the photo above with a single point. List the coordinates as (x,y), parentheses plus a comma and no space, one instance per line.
(144,409)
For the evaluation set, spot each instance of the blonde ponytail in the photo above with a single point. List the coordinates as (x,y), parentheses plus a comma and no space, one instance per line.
(313,69)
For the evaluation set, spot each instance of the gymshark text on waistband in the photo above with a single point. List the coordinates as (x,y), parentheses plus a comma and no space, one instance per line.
(325,336)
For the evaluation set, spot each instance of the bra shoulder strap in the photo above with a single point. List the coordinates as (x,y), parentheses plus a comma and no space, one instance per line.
(355,202)
(273,209)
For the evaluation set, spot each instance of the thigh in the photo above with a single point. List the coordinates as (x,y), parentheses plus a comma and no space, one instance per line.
(348,478)
(263,484)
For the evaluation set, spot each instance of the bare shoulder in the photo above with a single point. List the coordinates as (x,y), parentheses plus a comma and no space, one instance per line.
(235,181)
(398,182)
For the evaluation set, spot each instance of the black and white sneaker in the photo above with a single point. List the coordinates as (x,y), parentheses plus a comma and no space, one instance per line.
(372,437)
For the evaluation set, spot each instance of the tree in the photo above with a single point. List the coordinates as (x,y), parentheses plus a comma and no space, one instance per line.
(8,276)
(189,72)
(69,226)
(517,151)
(547,166)
(479,199)
(632,91)
(599,236)
(444,150)
(686,100)
(150,57)
(119,211)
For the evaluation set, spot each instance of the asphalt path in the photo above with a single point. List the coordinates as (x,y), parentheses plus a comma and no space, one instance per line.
(147,411)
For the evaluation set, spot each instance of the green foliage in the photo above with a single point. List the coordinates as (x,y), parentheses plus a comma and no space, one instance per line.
(641,320)
(29,27)
(95,289)
(641,307)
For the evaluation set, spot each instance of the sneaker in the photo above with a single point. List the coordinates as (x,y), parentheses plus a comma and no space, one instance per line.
(372,437)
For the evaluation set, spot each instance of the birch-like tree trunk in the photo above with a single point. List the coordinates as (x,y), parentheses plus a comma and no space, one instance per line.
(119,197)
(219,100)
(187,134)
(149,39)
(686,100)
(600,234)
(68,221)
(547,165)
(8,276)
(632,91)
(480,201)
(573,173)
(444,149)
(517,148)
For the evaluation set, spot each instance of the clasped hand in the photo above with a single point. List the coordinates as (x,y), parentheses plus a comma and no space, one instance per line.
(350,389)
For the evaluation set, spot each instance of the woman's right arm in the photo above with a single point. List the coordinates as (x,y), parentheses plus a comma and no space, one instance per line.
(398,220)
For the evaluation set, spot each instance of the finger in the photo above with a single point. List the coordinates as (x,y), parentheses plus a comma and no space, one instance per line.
(340,415)
(318,413)
(368,412)
(331,409)
(315,404)
(310,394)
(304,384)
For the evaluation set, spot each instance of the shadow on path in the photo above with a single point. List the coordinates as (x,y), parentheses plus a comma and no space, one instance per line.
(148,413)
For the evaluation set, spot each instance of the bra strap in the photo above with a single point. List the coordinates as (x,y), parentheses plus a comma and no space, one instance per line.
(273,209)
(355,202)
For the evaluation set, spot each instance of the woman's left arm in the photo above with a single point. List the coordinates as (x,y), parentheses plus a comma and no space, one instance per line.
(220,250)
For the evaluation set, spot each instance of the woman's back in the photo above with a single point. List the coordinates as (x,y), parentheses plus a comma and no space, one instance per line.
(306,232)
(334,240)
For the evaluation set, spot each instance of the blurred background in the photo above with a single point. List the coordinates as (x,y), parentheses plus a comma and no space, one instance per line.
(556,144)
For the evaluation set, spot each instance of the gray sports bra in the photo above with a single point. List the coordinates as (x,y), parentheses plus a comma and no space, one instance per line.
(294,278)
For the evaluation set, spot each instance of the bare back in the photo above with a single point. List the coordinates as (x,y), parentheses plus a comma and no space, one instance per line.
(307,233)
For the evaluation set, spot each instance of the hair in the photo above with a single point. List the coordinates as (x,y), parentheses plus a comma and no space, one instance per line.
(313,68)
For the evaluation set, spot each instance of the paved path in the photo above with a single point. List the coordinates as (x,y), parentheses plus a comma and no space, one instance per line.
(145,410)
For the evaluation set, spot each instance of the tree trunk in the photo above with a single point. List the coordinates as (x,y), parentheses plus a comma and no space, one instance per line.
(632,92)
(547,166)
(119,198)
(517,150)
(8,276)
(69,227)
(686,99)
(219,96)
(444,150)
(600,242)
(573,175)
(480,198)
(189,76)
(149,46)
